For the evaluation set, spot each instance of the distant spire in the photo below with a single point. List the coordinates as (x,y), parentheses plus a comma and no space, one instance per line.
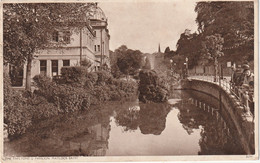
(159,48)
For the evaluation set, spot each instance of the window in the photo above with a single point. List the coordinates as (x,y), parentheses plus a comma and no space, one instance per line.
(43,67)
(98,48)
(54,67)
(95,48)
(55,36)
(66,62)
(66,36)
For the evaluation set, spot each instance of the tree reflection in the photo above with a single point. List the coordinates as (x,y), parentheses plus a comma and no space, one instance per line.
(127,118)
(150,118)
(153,118)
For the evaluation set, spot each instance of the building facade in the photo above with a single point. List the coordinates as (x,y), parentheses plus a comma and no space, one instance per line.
(72,46)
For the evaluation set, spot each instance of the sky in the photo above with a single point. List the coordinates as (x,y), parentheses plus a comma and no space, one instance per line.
(144,25)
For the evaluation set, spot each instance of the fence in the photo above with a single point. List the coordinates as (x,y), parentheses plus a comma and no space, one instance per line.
(244,95)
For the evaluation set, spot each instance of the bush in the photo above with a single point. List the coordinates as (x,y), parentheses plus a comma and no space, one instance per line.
(103,77)
(41,108)
(91,80)
(46,87)
(71,99)
(152,87)
(75,74)
(16,111)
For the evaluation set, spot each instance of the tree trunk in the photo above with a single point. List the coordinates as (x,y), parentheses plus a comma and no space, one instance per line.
(28,74)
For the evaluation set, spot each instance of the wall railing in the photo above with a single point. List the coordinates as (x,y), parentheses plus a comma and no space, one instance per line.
(243,94)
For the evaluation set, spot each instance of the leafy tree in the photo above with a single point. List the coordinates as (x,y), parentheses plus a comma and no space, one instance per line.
(168,53)
(189,45)
(113,56)
(167,50)
(234,21)
(129,61)
(212,47)
(27,28)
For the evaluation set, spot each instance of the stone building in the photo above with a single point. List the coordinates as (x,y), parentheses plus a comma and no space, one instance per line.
(90,43)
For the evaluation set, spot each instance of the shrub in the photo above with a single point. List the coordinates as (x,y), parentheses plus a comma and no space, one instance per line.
(71,99)
(16,111)
(152,87)
(91,80)
(122,90)
(74,74)
(86,63)
(46,87)
(41,108)
(103,77)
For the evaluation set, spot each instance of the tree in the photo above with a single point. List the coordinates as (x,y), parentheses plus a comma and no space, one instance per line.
(212,47)
(113,60)
(234,21)
(129,61)
(189,45)
(27,28)
(167,50)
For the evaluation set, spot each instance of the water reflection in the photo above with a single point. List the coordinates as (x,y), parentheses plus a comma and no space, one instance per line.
(186,127)
(153,118)
(150,118)
(216,137)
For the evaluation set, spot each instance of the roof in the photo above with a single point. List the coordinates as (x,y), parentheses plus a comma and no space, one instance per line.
(97,13)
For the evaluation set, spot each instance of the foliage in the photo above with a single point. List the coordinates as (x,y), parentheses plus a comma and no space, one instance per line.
(67,98)
(189,45)
(52,98)
(212,47)
(113,61)
(103,77)
(86,63)
(28,28)
(129,61)
(152,87)
(16,110)
(41,108)
(74,74)
(234,21)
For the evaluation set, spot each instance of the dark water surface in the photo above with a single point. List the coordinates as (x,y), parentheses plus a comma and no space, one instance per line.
(132,129)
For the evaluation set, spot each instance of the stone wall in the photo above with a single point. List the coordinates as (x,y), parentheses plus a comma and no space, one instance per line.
(243,123)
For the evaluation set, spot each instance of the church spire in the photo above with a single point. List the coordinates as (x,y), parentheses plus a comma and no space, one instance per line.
(159,49)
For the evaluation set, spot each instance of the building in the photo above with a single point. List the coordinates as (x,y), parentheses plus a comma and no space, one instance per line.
(71,47)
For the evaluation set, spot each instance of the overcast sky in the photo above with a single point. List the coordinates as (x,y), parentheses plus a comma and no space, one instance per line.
(143,25)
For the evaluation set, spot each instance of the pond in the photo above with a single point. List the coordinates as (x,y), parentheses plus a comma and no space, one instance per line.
(178,127)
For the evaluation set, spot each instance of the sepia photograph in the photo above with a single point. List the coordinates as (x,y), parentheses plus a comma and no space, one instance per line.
(144,80)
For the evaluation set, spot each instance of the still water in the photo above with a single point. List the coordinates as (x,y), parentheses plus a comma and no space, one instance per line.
(131,129)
